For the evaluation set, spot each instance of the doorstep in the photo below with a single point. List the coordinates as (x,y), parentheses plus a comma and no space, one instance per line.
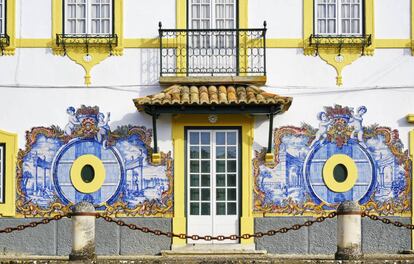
(214,249)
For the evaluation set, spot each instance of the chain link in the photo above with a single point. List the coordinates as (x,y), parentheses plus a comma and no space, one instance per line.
(44,221)
(387,221)
(271,232)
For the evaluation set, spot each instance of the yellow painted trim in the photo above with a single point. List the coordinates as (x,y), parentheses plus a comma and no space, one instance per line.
(412,28)
(328,175)
(412,183)
(9,207)
(97,52)
(11,27)
(392,43)
(329,54)
(247,125)
(284,43)
(142,43)
(76,169)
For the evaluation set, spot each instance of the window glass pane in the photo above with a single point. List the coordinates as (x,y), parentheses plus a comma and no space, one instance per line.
(205,180)
(221,208)
(194,180)
(221,180)
(205,208)
(331,26)
(194,208)
(194,152)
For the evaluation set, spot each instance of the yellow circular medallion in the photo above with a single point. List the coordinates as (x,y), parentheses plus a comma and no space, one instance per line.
(87,173)
(340,173)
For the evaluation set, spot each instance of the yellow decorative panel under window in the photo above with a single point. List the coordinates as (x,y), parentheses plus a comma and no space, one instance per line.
(8,153)
(87,32)
(338,31)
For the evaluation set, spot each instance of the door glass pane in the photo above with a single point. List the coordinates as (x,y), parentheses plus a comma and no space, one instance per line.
(220,138)
(231,152)
(231,166)
(194,138)
(231,180)
(220,166)
(220,194)
(205,180)
(231,194)
(231,138)
(221,208)
(205,152)
(194,153)
(220,152)
(194,208)
(231,208)
(194,166)
(205,208)
(194,194)
(194,180)
(205,138)
(205,194)
(221,180)
(205,166)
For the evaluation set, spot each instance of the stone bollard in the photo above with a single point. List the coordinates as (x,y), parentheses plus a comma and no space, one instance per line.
(348,231)
(83,232)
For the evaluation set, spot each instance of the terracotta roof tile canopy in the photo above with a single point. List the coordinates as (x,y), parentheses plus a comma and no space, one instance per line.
(213,99)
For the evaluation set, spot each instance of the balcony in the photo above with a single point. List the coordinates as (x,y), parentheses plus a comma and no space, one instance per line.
(360,42)
(4,42)
(87,40)
(212,56)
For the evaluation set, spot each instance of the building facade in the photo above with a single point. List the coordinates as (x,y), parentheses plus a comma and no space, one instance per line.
(205,117)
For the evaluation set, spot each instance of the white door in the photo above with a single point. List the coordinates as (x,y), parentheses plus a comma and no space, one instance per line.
(213,183)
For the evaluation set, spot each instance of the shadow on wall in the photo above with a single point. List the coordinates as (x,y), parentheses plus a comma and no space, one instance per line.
(135,118)
(150,66)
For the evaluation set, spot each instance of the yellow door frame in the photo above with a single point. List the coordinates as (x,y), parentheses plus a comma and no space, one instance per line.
(179,122)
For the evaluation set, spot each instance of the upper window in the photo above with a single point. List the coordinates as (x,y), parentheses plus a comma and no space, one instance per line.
(212,14)
(2,17)
(88,17)
(2,169)
(339,17)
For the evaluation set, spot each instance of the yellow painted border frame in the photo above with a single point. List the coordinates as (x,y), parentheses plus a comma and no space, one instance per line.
(75,173)
(328,176)
(179,222)
(11,27)
(412,29)
(328,54)
(9,207)
(98,52)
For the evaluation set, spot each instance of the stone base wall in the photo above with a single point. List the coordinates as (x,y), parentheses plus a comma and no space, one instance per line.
(320,238)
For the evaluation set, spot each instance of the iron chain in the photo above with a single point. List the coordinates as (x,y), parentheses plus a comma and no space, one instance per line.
(387,221)
(44,221)
(271,232)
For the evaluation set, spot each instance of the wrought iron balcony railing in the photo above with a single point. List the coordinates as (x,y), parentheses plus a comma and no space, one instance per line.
(87,40)
(208,52)
(340,41)
(4,42)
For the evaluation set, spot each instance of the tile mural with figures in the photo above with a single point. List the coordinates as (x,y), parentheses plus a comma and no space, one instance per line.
(293,184)
(133,186)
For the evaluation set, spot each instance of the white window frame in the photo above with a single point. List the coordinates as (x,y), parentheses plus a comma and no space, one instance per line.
(339,30)
(88,19)
(2,170)
(213,19)
(3,16)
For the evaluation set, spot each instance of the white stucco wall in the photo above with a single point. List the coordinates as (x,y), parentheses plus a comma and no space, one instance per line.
(33,18)
(392,19)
